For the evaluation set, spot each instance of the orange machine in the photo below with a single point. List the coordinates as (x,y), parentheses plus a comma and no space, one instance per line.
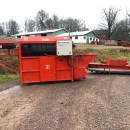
(50,58)
(109,66)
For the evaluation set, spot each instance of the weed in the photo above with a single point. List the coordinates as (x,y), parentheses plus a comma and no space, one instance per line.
(8,77)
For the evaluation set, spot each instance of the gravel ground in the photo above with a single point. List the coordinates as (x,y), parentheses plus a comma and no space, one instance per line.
(100,102)
(7,85)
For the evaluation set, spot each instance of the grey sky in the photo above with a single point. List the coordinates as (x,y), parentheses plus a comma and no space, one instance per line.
(89,10)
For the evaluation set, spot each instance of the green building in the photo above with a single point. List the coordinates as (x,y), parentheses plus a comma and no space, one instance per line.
(82,37)
(53,32)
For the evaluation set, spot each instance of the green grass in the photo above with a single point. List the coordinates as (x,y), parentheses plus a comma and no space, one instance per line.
(8,77)
(102,54)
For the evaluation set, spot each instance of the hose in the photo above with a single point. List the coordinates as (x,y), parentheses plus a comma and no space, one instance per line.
(74,58)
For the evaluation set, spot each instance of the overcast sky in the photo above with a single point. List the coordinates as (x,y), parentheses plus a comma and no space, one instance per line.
(89,10)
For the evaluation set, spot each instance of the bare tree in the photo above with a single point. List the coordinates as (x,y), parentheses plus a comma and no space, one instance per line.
(122,28)
(128,20)
(55,21)
(12,27)
(42,21)
(41,17)
(25,24)
(109,19)
(52,23)
(31,25)
(3,26)
(1,31)
(61,23)
(120,31)
(49,23)
(72,25)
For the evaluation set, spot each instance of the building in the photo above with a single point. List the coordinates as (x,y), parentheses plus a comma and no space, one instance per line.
(82,37)
(102,34)
(53,32)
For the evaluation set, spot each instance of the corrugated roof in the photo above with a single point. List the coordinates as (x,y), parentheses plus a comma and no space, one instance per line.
(75,33)
(38,32)
(78,33)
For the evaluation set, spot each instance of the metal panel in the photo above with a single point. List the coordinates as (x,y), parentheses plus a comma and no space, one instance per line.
(30,64)
(64,75)
(79,73)
(64,47)
(30,77)
(30,70)
(63,70)
(83,60)
(47,68)
(61,63)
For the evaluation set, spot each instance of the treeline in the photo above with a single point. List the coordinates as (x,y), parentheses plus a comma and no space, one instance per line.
(42,21)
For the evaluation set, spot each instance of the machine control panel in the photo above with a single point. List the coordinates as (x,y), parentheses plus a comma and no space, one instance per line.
(64,47)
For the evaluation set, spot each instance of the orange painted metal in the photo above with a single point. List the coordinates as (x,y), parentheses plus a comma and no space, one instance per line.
(7,48)
(9,67)
(51,67)
(7,43)
(81,61)
(110,65)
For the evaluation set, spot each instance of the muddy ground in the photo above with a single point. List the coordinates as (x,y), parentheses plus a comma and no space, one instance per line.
(100,102)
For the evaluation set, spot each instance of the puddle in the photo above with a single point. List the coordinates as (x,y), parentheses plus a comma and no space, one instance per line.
(9,92)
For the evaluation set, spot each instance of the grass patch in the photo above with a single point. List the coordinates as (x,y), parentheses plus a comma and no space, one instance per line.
(102,54)
(8,77)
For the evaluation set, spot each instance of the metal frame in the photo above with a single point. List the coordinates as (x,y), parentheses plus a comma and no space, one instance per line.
(109,65)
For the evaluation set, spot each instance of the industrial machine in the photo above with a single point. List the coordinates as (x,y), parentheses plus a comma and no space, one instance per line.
(109,66)
(6,49)
(47,58)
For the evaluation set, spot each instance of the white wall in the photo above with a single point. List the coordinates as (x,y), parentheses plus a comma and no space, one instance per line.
(92,39)
(79,40)
(82,40)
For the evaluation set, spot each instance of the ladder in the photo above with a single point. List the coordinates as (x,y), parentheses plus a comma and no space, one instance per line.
(9,67)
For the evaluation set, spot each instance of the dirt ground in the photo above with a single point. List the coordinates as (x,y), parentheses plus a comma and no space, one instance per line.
(100,102)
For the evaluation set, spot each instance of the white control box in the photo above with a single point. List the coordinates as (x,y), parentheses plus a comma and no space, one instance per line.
(64,47)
